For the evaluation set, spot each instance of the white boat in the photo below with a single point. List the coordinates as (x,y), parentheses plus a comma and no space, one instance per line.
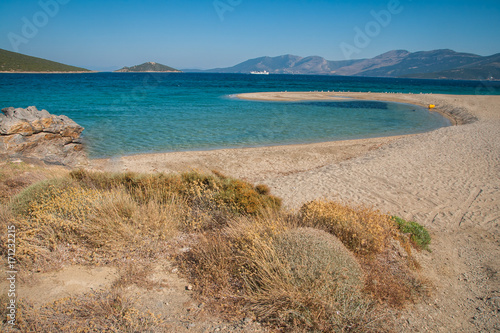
(260,73)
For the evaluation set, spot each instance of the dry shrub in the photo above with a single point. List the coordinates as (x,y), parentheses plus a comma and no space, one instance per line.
(308,279)
(212,200)
(53,212)
(4,311)
(219,259)
(304,278)
(16,176)
(141,187)
(229,194)
(263,189)
(112,214)
(211,266)
(390,275)
(391,282)
(289,278)
(161,221)
(311,254)
(94,312)
(361,229)
(105,224)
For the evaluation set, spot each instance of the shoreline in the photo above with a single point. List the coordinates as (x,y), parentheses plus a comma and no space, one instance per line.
(349,148)
(252,163)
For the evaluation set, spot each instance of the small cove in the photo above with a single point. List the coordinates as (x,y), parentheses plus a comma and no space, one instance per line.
(133,113)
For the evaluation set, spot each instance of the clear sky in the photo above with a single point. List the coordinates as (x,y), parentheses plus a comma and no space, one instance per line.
(110,34)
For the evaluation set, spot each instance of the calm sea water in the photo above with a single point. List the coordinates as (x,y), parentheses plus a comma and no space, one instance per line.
(129,113)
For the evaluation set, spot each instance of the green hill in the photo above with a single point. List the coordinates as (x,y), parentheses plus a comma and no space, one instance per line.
(17,62)
(149,67)
(486,68)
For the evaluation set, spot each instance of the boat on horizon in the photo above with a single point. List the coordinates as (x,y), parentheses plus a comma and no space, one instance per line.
(260,73)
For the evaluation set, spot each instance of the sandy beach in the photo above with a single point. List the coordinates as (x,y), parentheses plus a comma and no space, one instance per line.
(447,180)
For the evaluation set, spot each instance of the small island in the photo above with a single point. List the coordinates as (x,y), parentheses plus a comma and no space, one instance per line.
(149,67)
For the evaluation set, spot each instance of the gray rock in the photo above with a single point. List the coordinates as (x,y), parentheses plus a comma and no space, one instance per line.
(33,133)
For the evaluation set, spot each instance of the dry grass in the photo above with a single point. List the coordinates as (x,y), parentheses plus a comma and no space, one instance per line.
(94,312)
(111,214)
(16,176)
(391,281)
(361,229)
(105,224)
(331,267)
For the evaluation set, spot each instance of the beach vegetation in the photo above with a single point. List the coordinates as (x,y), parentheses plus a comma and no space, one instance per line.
(418,234)
(362,229)
(97,311)
(328,267)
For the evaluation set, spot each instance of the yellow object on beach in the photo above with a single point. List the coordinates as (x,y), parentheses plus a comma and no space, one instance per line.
(431,106)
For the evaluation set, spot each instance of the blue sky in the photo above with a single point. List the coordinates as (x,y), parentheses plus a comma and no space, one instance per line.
(106,35)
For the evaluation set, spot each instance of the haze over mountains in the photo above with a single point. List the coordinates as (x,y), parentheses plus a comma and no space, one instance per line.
(437,64)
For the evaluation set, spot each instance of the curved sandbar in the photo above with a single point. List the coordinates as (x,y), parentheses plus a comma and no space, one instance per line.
(447,179)
(455,113)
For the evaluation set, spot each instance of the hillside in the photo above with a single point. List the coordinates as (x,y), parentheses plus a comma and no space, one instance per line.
(484,69)
(287,64)
(434,64)
(424,62)
(17,62)
(149,67)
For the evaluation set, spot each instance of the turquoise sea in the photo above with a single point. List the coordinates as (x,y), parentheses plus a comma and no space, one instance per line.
(130,113)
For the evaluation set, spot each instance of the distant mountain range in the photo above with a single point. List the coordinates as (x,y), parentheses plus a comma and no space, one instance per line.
(149,67)
(17,62)
(437,64)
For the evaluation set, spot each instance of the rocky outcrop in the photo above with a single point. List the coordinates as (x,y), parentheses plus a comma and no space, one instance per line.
(32,133)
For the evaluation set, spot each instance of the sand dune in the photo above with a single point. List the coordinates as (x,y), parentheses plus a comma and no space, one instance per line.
(447,180)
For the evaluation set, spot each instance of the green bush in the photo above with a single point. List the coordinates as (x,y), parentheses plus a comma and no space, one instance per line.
(419,236)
